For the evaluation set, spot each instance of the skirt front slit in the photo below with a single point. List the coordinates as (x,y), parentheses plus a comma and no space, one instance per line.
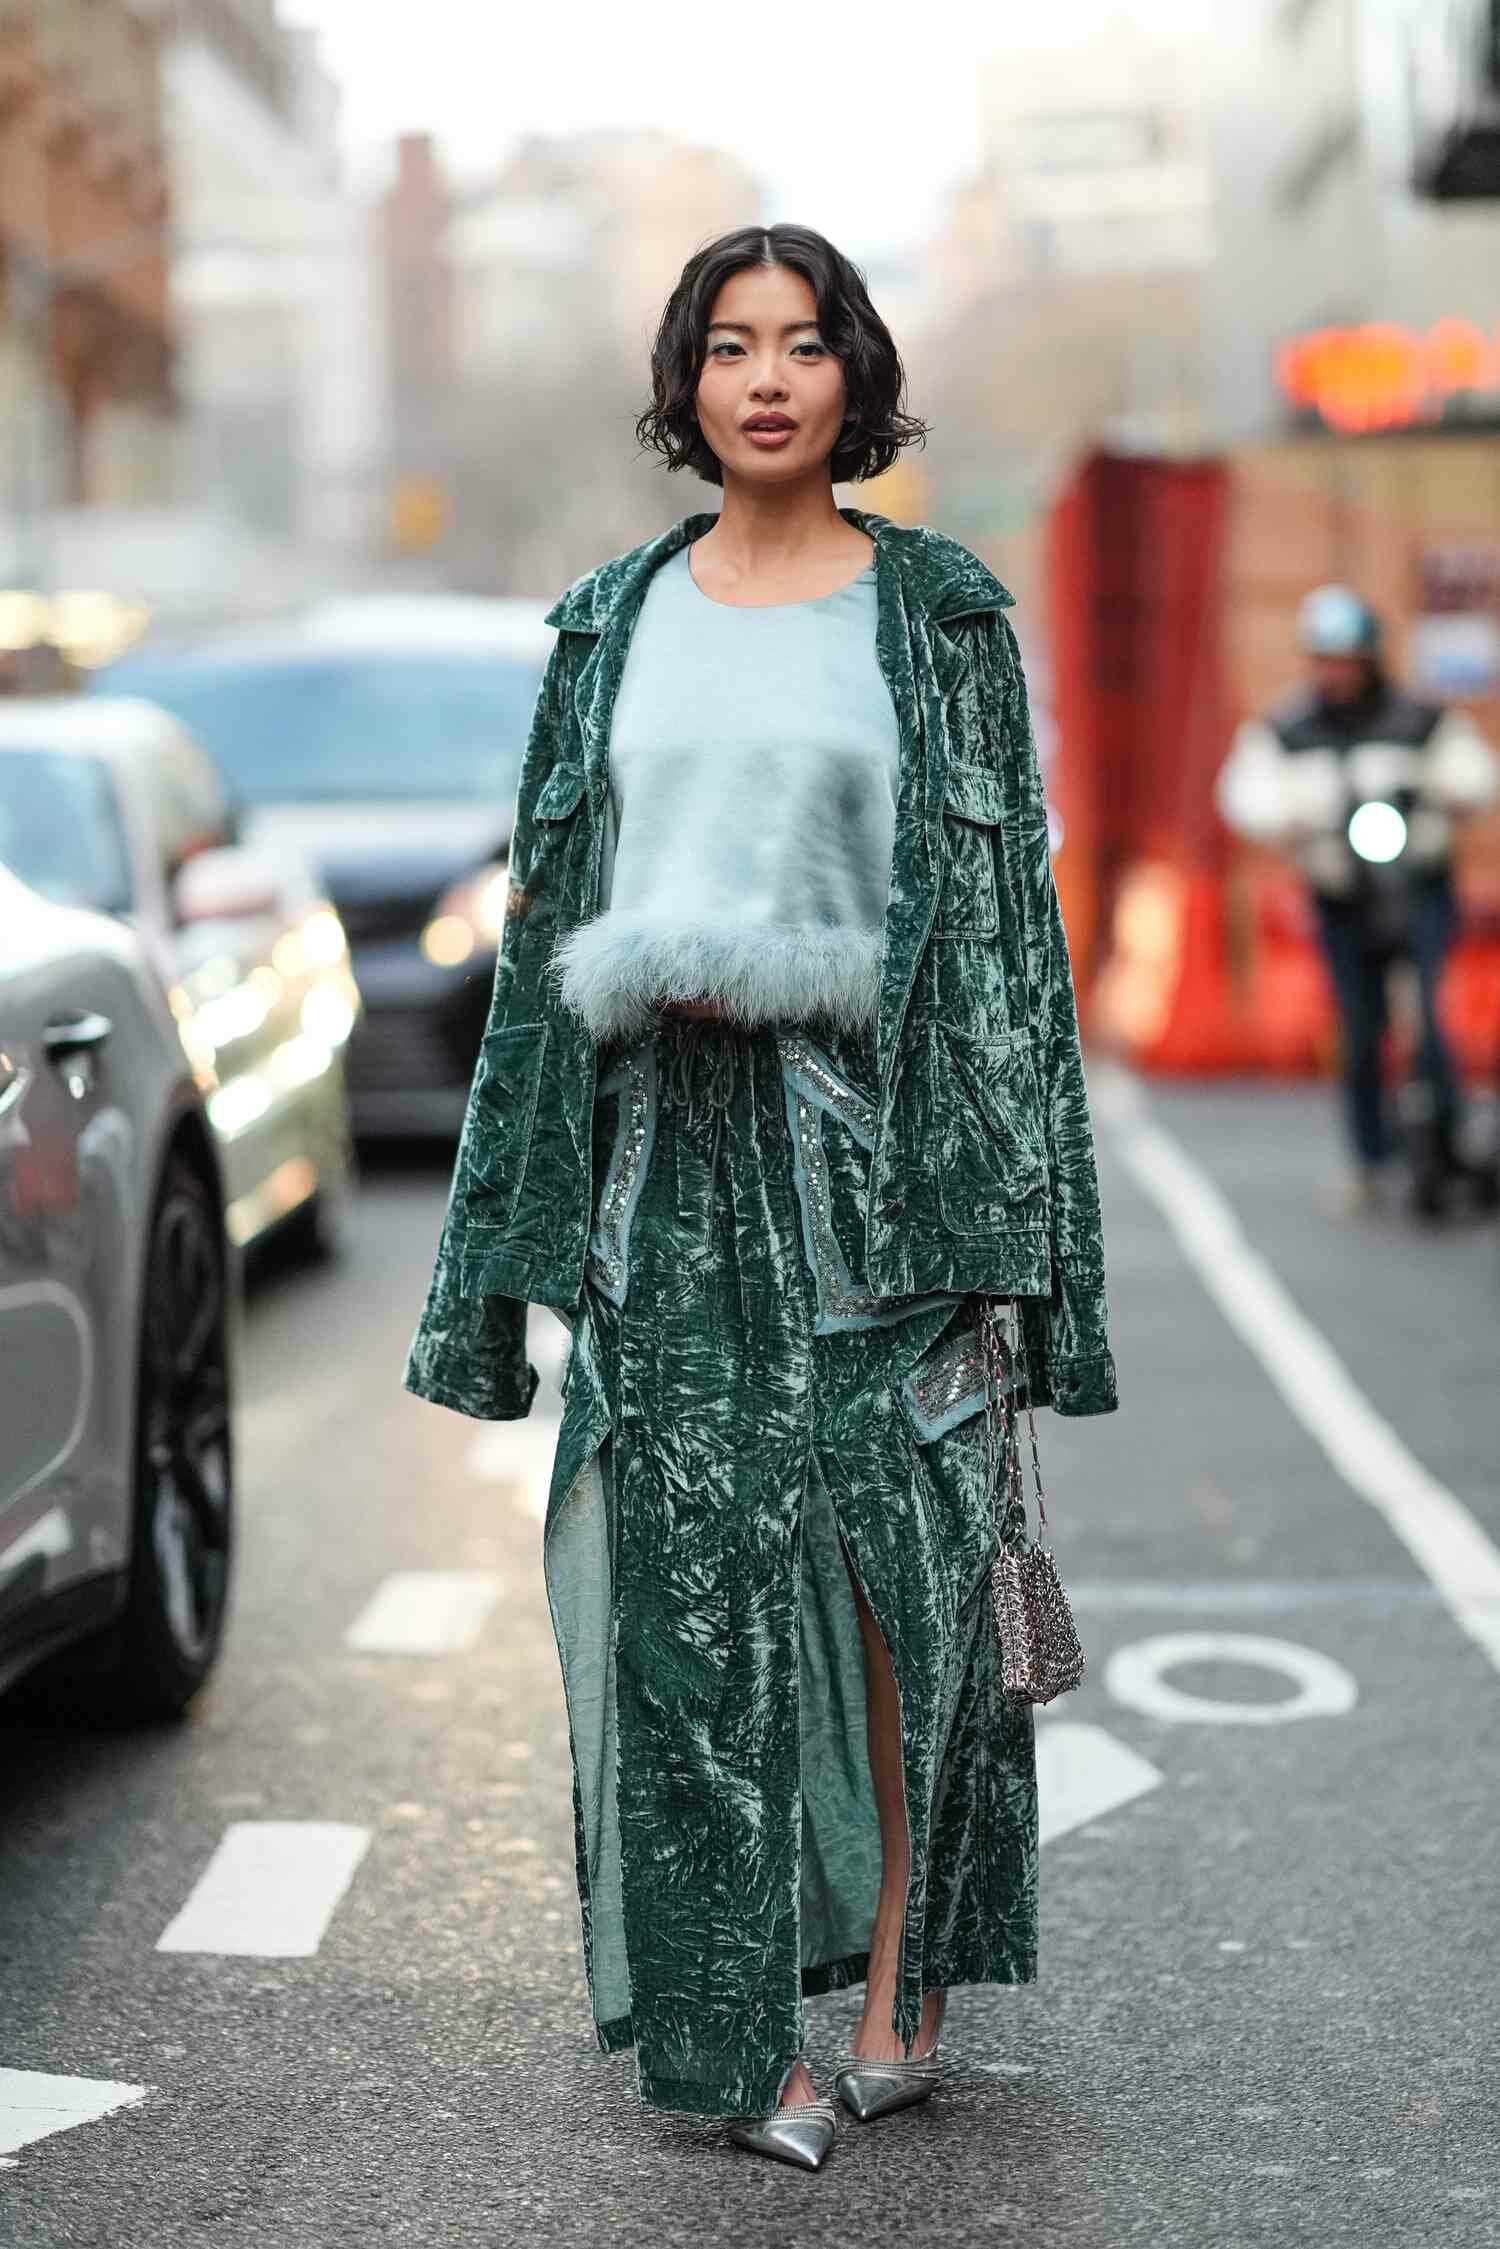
(743,1428)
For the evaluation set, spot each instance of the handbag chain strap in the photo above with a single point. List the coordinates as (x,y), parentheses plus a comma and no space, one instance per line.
(998,1394)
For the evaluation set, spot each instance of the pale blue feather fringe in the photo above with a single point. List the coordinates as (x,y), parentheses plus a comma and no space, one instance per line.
(615,971)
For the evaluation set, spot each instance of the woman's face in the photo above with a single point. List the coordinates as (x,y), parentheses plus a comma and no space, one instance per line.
(771,396)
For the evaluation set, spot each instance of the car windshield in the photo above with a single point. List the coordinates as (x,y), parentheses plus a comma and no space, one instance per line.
(333,727)
(60,828)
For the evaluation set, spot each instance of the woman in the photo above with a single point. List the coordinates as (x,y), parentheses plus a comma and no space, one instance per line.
(781,1077)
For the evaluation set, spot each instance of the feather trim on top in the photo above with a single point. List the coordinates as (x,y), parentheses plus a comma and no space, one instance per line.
(618,970)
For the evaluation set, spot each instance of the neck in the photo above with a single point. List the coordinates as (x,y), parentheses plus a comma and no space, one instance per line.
(1370,688)
(763,526)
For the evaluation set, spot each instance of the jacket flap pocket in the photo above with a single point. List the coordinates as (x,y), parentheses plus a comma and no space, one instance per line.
(944,1388)
(496,1138)
(947,1384)
(973,793)
(560,793)
(991,1163)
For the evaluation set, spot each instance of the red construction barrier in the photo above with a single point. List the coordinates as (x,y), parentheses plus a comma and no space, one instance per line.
(1193,953)
(1134,576)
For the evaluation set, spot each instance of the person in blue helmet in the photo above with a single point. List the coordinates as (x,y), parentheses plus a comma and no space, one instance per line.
(1364,786)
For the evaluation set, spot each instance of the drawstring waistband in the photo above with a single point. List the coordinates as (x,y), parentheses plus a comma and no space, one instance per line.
(700,1049)
(701,1068)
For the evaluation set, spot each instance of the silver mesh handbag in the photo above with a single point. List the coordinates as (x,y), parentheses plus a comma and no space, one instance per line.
(1040,1652)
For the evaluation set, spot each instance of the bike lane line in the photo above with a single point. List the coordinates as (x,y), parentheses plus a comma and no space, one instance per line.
(1433,1524)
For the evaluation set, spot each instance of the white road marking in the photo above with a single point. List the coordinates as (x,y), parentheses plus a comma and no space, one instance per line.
(1433,1524)
(519,1453)
(1134,1676)
(283,1416)
(1082,1772)
(269,1891)
(1215,1595)
(425,1613)
(34,2104)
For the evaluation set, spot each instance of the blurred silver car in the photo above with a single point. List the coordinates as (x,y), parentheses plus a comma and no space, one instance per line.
(112,805)
(116,1500)
(381,737)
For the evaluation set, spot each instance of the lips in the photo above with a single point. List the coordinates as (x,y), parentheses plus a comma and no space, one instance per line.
(768,424)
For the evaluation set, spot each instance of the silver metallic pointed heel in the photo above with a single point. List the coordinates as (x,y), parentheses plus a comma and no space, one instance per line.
(801,2133)
(870,2089)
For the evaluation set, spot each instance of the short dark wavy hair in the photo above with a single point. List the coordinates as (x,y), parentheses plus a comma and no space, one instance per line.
(877,424)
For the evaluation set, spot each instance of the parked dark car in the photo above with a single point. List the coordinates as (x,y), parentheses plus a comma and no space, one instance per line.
(116,1287)
(382,739)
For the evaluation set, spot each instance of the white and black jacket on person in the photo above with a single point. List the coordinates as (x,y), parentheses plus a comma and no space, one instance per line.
(1294,775)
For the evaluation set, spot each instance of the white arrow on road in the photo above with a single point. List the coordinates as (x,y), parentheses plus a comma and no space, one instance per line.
(34,2104)
(1082,1772)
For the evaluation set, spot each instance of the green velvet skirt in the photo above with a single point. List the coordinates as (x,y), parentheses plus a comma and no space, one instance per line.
(743,1428)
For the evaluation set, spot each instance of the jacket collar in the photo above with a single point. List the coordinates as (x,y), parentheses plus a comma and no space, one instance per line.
(938,575)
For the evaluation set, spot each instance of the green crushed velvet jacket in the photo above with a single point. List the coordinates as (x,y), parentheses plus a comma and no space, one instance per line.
(983,1177)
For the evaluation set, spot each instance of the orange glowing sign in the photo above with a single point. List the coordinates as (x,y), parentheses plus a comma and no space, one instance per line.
(1384,376)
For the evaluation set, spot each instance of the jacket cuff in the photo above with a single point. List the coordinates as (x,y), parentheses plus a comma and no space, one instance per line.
(1067,1345)
(487,1389)
(1081,1386)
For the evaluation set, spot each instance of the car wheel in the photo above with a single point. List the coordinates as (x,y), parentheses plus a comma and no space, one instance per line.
(184,1504)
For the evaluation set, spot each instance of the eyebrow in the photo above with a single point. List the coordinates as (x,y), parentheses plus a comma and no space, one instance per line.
(745,328)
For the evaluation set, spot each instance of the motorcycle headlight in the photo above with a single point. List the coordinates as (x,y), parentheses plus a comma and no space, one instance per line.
(1377,832)
(469,914)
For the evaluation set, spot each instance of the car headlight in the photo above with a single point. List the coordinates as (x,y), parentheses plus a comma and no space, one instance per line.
(327,1013)
(469,914)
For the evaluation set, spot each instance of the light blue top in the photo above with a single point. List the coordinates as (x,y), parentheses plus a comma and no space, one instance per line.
(754,757)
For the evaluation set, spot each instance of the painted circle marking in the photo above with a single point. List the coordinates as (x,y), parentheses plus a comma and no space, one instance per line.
(1135,1676)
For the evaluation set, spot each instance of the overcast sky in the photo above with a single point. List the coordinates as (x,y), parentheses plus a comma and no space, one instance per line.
(856,119)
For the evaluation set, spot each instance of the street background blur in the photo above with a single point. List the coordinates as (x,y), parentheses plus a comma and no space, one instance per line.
(323,328)
(301,298)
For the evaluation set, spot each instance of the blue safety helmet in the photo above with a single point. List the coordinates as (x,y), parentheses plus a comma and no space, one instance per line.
(1336,621)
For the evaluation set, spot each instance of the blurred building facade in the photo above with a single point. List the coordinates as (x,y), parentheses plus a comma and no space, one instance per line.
(86,362)
(598,223)
(1064,296)
(190,363)
(1329,127)
(1091,164)
(273,281)
(541,289)
(417,304)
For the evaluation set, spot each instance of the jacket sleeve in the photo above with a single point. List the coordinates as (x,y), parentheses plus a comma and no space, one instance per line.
(1254,789)
(469,1349)
(1071,1365)
(1462,773)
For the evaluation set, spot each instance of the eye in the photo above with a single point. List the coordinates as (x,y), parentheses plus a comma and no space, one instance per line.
(812,344)
(725,343)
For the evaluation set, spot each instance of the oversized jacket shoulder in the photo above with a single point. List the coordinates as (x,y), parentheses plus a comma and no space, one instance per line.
(982,1175)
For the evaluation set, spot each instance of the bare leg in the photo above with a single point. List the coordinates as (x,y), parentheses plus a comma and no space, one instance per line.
(874,2037)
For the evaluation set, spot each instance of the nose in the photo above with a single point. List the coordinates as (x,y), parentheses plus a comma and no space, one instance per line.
(768,383)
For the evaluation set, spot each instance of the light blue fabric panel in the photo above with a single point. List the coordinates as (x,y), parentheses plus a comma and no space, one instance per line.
(754,761)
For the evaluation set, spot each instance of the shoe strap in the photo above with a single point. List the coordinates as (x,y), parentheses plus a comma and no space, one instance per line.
(907,2065)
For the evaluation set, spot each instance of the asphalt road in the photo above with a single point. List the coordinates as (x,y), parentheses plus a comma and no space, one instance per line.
(1267,2007)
